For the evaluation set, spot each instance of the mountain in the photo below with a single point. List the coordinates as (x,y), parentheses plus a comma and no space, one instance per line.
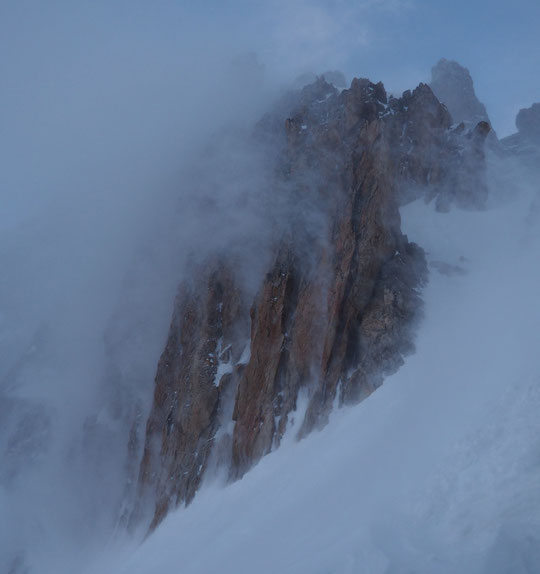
(336,308)
(309,246)
(434,473)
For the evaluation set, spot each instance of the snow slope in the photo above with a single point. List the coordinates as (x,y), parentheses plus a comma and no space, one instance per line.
(437,472)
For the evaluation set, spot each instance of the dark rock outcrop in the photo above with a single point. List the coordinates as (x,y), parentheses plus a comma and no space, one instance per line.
(336,310)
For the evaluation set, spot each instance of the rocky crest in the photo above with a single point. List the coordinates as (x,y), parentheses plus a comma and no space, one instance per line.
(336,309)
(525,144)
(453,86)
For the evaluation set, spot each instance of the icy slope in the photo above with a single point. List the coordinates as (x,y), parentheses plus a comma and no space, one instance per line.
(438,471)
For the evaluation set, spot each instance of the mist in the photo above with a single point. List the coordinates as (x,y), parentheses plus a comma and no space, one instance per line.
(104,109)
(125,140)
(116,175)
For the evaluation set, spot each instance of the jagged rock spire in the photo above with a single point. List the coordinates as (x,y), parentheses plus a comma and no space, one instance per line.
(453,86)
(333,314)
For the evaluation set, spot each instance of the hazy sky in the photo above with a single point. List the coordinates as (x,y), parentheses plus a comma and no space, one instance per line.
(396,41)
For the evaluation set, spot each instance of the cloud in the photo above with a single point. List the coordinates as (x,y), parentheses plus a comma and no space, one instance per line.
(305,35)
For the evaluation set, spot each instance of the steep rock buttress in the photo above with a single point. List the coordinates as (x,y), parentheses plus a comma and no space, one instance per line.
(336,309)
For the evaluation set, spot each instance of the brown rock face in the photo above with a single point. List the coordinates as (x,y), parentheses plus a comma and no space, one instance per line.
(208,319)
(336,310)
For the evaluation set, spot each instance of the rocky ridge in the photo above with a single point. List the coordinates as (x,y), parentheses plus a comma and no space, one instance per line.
(525,144)
(336,309)
(513,160)
(453,86)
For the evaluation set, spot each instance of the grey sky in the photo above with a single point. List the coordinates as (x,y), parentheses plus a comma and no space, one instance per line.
(396,41)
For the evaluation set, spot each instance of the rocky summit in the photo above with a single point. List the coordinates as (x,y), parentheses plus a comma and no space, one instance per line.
(335,311)
(453,85)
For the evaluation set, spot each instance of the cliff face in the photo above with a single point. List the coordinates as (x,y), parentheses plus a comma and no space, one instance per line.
(336,309)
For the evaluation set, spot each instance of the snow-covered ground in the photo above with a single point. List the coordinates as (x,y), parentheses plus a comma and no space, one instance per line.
(437,472)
